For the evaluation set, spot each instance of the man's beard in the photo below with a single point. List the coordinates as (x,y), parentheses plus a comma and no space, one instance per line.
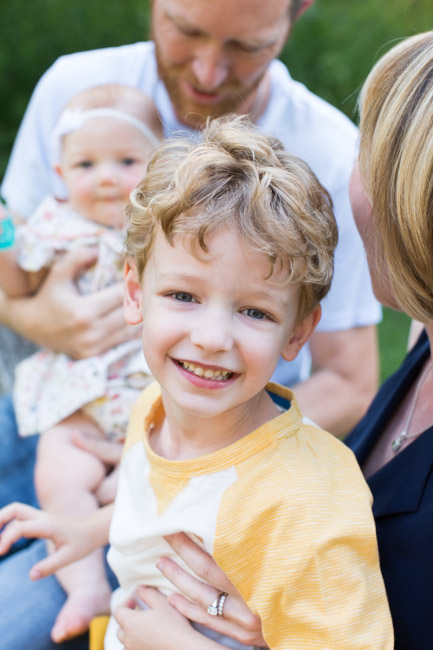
(192,113)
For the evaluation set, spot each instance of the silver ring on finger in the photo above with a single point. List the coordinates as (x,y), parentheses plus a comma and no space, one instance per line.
(217,607)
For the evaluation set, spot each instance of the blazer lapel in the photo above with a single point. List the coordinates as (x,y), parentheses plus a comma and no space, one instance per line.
(399,485)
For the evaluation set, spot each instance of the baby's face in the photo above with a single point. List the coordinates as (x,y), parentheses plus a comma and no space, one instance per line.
(102,162)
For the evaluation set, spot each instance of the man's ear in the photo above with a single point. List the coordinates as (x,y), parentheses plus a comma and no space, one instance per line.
(301,334)
(132,298)
(305,4)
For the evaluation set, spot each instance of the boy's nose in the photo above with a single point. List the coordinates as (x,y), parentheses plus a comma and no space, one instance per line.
(212,332)
(210,67)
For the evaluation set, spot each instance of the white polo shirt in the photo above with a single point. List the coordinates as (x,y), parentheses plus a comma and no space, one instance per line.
(308,127)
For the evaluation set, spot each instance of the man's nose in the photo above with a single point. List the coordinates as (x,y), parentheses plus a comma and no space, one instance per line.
(210,67)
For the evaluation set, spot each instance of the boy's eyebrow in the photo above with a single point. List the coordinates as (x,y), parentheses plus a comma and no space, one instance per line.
(279,301)
(175,276)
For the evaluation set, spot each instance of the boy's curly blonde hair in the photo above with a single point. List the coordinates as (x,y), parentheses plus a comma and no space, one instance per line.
(238,178)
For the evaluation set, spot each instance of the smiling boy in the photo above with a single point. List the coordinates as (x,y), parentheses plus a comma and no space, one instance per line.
(231,244)
(230,250)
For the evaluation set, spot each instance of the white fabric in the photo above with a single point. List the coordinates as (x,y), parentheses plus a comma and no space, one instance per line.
(308,127)
(73,119)
(50,386)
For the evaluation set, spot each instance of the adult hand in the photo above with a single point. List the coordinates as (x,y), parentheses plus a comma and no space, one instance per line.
(159,626)
(72,538)
(57,316)
(197,593)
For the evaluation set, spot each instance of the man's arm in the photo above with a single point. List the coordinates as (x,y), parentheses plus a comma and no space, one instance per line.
(343,380)
(58,317)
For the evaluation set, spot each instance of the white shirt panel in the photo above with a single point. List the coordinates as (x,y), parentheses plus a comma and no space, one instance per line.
(307,125)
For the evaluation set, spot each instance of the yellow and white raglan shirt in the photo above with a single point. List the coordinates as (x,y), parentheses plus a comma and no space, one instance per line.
(284,511)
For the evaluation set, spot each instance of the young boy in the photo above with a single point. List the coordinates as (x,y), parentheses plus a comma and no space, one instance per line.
(230,250)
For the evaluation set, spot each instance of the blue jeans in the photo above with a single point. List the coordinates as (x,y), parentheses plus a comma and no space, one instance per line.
(27,609)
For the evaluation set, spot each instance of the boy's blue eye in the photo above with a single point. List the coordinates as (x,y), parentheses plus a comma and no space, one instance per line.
(182,297)
(256,314)
(85,164)
(128,161)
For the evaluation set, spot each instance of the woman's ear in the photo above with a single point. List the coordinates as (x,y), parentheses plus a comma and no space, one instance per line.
(132,299)
(301,334)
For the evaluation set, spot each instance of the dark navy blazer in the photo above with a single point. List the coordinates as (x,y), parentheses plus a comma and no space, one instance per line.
(403,509)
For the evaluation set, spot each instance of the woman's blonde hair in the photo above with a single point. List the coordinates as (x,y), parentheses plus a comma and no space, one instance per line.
(233,176)
(396,166)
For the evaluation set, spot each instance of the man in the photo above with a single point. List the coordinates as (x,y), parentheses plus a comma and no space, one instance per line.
(208,59)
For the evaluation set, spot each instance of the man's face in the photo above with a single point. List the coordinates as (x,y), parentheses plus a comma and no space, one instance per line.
(212,55)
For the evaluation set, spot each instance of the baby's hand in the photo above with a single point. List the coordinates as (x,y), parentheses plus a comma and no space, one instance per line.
(72,538)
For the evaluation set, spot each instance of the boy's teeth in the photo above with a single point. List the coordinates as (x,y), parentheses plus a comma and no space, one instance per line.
(207,373)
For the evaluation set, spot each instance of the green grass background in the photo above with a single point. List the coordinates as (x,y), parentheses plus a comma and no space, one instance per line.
(332,48)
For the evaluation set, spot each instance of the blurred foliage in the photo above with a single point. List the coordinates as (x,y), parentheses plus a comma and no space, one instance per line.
(335,44)
(393,340)
(332,48)
(34,34)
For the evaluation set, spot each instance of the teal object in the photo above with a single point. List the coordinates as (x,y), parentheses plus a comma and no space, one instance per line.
(7,233)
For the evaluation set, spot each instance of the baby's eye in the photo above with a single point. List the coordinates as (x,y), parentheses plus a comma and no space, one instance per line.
(128,161)
(181,296)
(84,164)
(255,313)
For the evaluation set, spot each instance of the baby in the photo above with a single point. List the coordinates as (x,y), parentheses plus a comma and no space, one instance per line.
(230,251)
(101,146)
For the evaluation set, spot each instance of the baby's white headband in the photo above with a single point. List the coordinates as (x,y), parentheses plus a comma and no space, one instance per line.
(73,119)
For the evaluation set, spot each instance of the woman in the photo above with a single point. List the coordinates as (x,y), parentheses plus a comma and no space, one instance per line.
(392,201)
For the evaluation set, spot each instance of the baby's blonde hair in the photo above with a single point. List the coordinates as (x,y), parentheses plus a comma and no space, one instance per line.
(396,166)
(236,177)
(122,98)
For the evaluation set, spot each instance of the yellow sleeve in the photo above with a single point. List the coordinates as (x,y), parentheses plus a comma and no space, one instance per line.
(296,535)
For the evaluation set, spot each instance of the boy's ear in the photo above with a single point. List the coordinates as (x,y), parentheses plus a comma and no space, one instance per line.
(132,299)
(301,334)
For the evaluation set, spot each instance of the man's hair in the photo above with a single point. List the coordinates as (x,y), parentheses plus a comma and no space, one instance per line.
(235,177)
(396,166)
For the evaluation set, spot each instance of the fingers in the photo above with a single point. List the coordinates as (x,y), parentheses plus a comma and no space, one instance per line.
(108,300)
(17,511)
(107,451)
(246,629)
(69,265)
(203,564)
(197,594)
(152,597)
(197,591)
(23,521)
(51,564)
